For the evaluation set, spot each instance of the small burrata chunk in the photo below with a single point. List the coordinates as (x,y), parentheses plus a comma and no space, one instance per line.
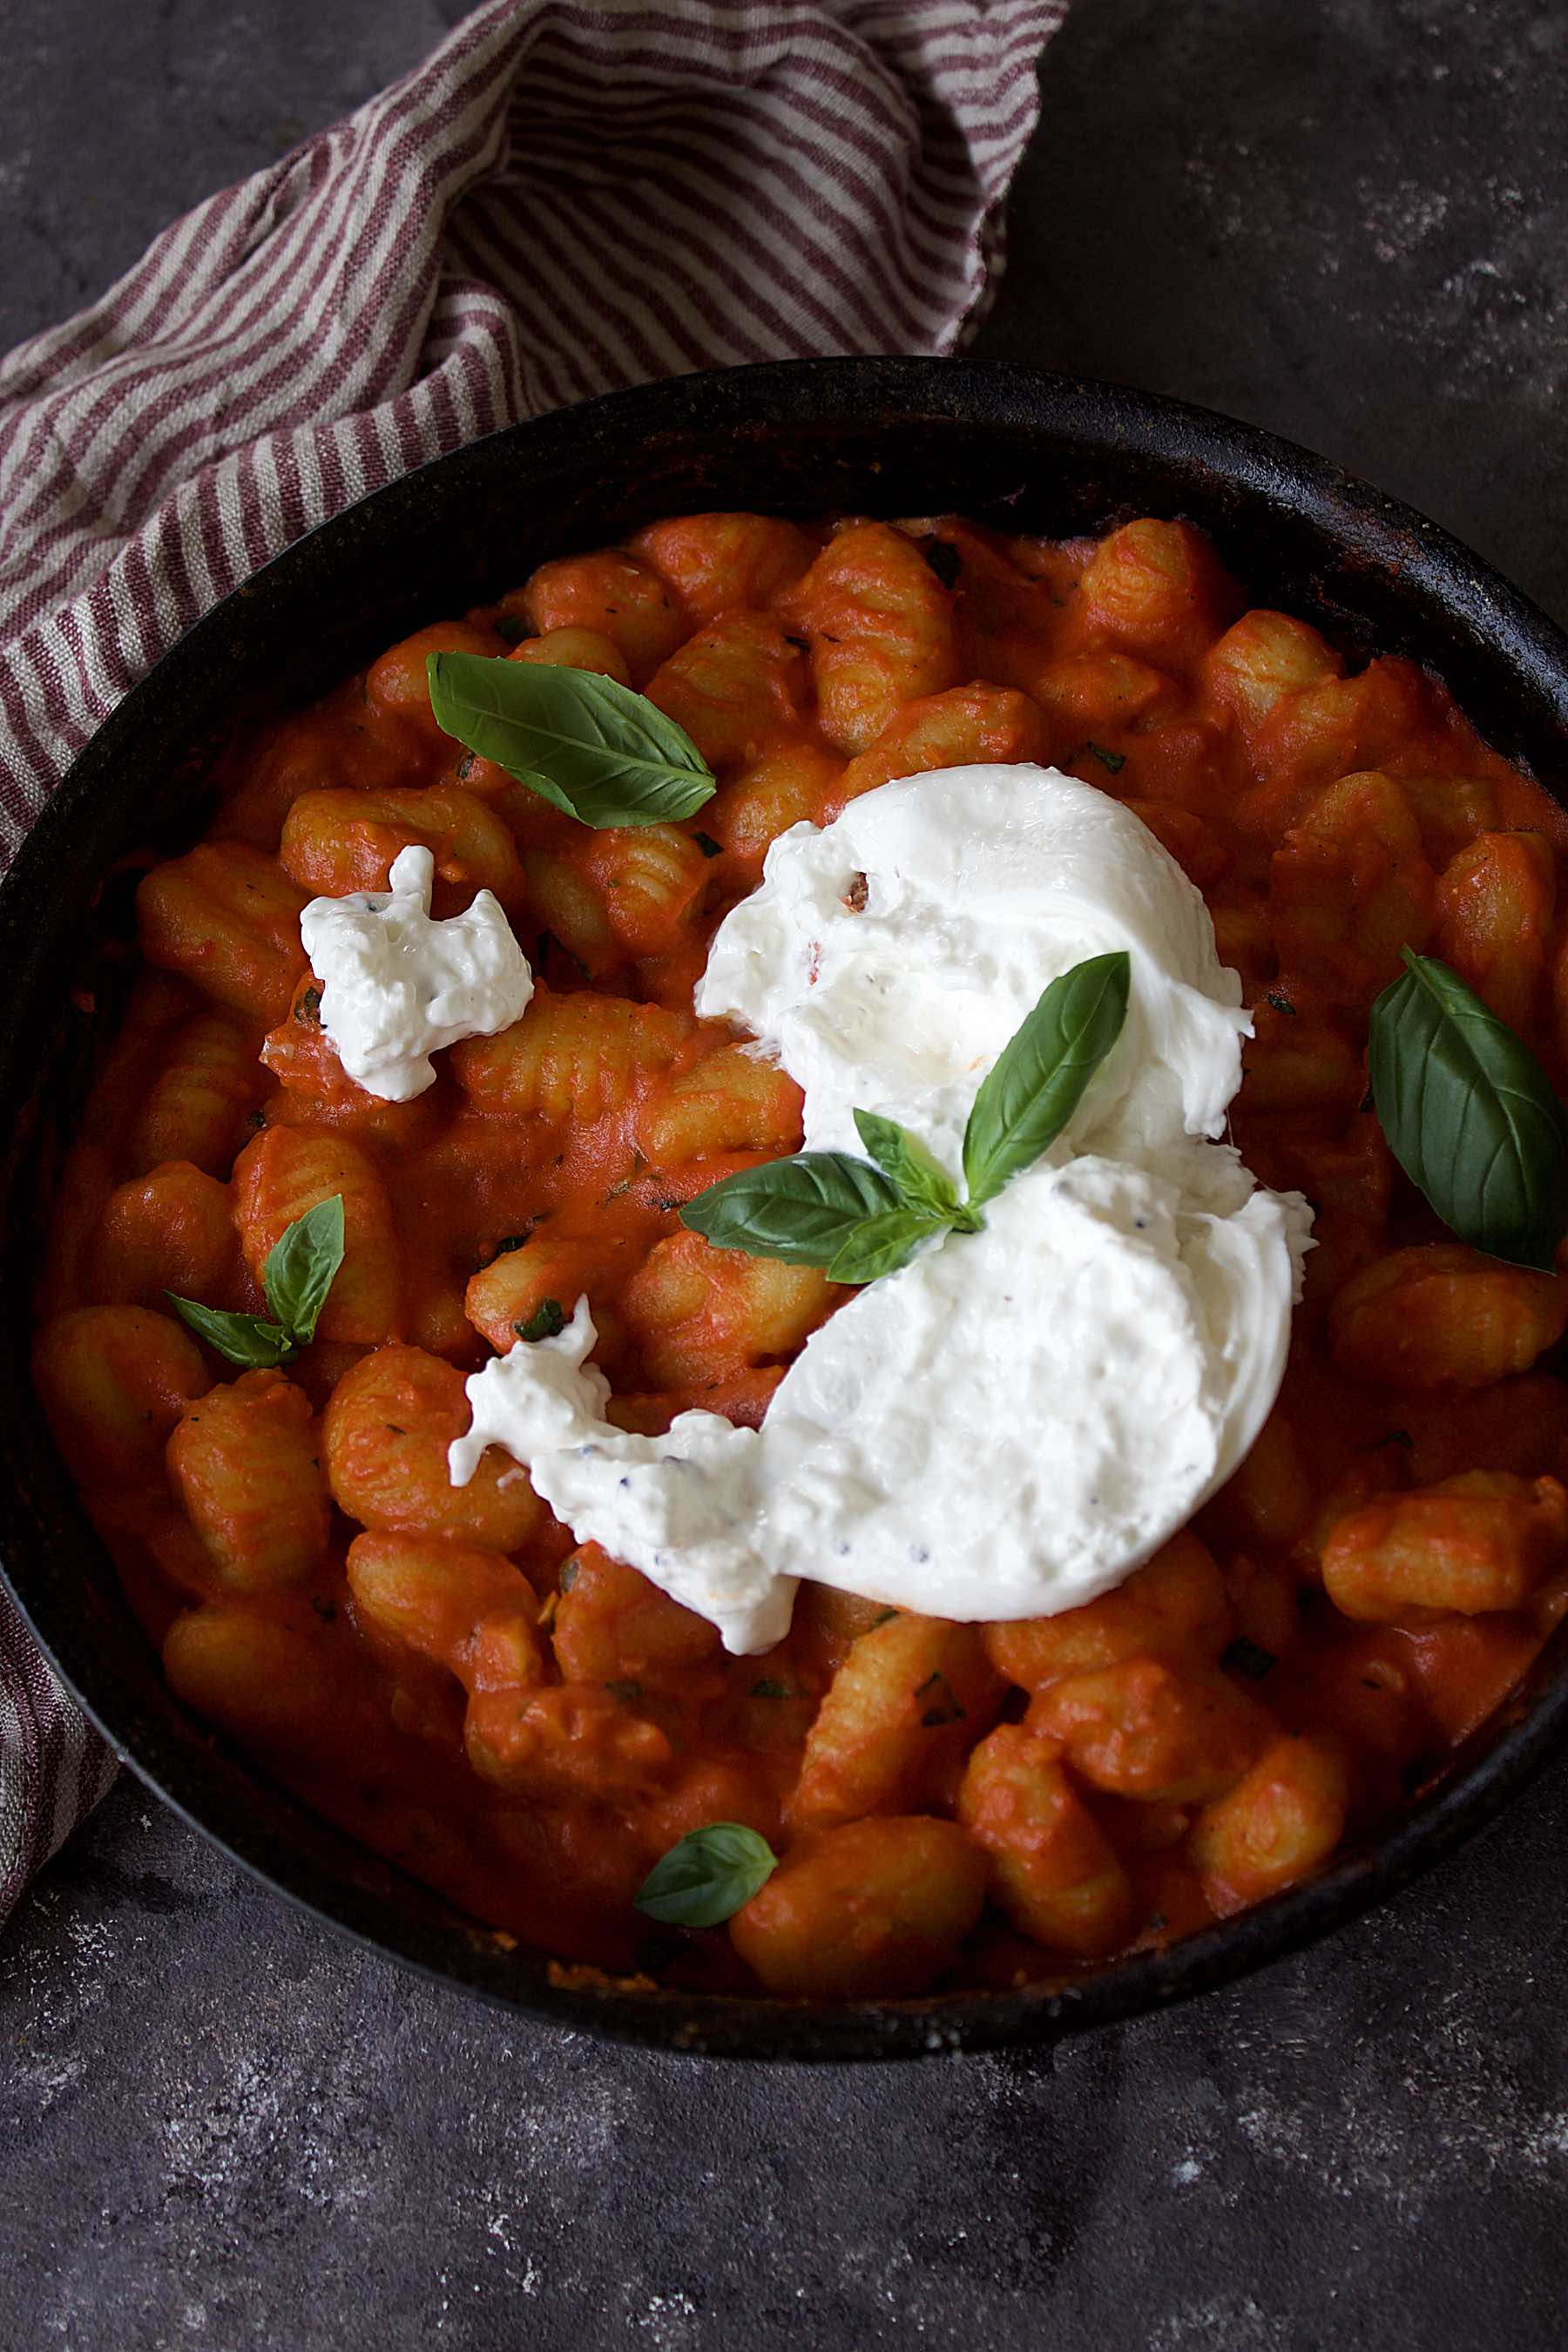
(397,986)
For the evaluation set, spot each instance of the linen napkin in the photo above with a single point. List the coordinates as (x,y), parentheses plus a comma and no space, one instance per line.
(566,197)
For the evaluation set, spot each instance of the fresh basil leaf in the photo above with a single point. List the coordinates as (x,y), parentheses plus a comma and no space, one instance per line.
(883,1244)
(1039,1079)
(802,1210)
(300,1266)
(916,1175)
(1469,1114)
(245,1339)
(707,1876)
(585,744)
(547,1321)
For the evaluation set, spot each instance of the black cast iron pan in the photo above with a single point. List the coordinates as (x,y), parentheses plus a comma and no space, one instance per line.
(1010,445)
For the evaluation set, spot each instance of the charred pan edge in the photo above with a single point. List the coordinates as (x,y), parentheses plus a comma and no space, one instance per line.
(1014,445)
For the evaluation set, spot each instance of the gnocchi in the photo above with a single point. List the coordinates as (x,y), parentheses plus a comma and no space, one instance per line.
(524,1719)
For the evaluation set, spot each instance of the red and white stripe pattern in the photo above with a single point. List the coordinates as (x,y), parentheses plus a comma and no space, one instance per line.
(567,197)
(53,1767)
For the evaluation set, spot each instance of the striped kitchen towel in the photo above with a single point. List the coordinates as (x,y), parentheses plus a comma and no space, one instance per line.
(568,195)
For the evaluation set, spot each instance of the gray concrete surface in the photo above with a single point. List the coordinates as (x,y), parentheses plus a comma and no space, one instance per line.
(222,2126)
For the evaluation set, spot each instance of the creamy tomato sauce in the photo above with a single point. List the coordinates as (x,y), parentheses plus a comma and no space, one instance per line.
(528,1726)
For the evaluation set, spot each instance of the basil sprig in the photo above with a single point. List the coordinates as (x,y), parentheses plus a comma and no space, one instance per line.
(301,1268)
(707,1876)
(1469,1114)
(860,1219)
(591,747)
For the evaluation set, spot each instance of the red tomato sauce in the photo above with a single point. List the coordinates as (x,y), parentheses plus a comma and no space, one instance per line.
(527,1725)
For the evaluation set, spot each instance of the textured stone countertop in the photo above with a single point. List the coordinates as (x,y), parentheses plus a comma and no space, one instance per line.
(222,2125)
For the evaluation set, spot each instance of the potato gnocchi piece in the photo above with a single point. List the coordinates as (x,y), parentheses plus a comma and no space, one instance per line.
(1334,727)
(968,726)
(732,1101)
(113,1381)
(1443,1312)
(387,1429)
(613,1627)
(873,1910)
(880,627)
(1480,1541)
(227,919)
(200,1099)
(288,1171)
(345,839)
(571,1057)
(894,1722)
(266,1683)
(794,784)
(1261,659)
(575,648)
(396,687)
(245,1462)
(1053,1872)
(1497,900)
(570,907)
(1350,887)
(734,686)
(569,1743)
(1100,695)
(567,1256)
(650,879)
(717,561)
(1163,1733)
(1284,1816)
(469,1611)
(612,594)
(696,1314)
(1173,1607)
(1156,590)
(171,1230)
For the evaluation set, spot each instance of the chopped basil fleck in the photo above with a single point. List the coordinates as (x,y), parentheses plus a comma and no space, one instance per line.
(939,1704)
(546,1322)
